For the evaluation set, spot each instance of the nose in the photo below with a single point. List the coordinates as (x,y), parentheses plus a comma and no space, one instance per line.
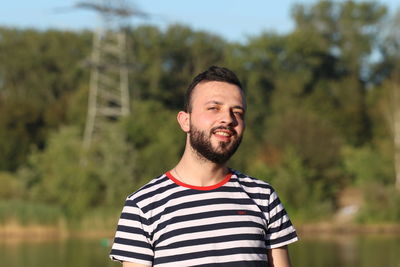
(228,118)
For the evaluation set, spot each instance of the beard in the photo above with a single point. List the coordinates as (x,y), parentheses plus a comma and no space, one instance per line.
(201,144)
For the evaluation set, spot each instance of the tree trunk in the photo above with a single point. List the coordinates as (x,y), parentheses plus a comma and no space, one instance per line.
(396,133)
(392,114)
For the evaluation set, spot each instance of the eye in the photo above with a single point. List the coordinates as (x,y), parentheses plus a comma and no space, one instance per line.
(212,108)
(238,113)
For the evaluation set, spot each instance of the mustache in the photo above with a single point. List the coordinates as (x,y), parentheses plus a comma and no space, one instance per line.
(231,129)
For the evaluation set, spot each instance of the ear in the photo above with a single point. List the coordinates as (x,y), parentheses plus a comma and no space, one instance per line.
(183,120)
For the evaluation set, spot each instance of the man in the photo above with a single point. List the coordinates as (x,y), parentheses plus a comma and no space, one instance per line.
(202,213)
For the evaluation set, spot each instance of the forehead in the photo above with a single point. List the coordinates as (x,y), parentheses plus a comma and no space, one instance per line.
(214,90)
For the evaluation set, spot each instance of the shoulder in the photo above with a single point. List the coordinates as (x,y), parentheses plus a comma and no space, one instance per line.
(150,190)
(250,183)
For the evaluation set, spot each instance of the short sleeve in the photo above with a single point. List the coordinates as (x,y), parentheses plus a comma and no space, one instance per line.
(280,231)
(132,242)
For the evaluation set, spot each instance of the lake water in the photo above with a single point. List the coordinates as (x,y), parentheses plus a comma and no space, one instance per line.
(332,251)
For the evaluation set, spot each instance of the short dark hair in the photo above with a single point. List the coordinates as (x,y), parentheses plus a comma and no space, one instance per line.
(213,73)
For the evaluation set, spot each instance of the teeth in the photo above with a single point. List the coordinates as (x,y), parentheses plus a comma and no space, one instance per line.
(223,133)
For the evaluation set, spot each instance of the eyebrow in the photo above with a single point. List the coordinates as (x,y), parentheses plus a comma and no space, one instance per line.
(220,103)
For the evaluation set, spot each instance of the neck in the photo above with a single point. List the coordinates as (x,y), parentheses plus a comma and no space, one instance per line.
(193,171)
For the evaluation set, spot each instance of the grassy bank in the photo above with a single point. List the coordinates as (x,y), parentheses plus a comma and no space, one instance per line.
(20,219)
(27,213)
(16,231)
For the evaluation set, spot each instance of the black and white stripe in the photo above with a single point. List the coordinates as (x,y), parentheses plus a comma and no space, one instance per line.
(168,224)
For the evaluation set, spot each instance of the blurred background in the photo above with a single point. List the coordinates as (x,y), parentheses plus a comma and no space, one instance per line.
(89,92)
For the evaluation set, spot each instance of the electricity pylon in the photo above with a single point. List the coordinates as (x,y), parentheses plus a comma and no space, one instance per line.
(108,92)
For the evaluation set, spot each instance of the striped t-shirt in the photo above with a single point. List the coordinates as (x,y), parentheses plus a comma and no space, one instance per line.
(233,223)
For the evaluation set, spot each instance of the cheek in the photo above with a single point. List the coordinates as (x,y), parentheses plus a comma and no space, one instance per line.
(202,121)
(240,127)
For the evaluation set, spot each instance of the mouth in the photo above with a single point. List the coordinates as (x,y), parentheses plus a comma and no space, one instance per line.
(223,133)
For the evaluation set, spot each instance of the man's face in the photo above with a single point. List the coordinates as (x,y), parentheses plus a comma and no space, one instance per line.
(216,120)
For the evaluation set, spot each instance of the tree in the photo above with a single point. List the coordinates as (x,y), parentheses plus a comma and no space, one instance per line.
(342,36)
(387,73)
(166,61)
(391,109)
(65,175)
(156,138)
(38,71)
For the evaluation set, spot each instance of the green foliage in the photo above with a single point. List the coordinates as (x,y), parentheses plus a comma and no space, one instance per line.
(111,161)
(344,34)
(314,119)
(312,138)
(11,187)
(100,218)
(56,175)
(20,128)
(156,137)
(167,61)
(368,165)
(38,70)
(76,180)
(382,204)
(314,141)
(293,180)
(25,212)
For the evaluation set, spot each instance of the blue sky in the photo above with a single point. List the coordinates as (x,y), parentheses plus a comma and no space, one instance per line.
(234,20)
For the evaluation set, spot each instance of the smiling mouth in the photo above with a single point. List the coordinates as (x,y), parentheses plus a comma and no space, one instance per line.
(224,132)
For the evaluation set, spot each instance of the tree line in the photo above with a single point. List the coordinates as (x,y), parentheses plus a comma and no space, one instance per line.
(323,115)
